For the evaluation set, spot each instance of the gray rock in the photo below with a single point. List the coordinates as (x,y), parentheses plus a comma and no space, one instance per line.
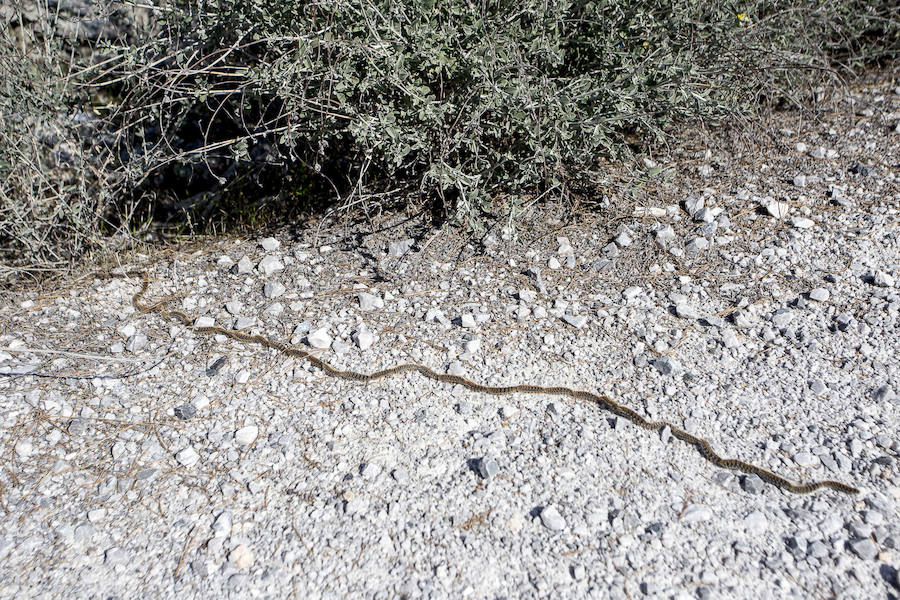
(817,386)
(753,484)
(782,318)
(623,239)
(865,549)
(488,467)
(883,392)
(363,337)
(686,311)
(370,301)
(755,523)
(664,235)
(806,459)
(697,245)
(527,296)
(242,323)
(802,222)
(883,279)
(185,411)
(667,365)
(273,289)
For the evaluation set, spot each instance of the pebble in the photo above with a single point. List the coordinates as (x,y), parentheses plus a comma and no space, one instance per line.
(819,294)
(241,557)
(363,337)
(686,311)
(623,239)
(115,556)
(398,249)
(575,321)
(488,467)
(187,457)
(246,435)
(865,549)
(806,459)
(273,289)
(270,244)
(185,411)
(24,448)
(800,180)
(473,346)
(370,301)
(777,209)
(400,475)
(553,263)
(319,338)
(370,471)
(551,518)
(753,484)
(882,279)
(695,513)
(269,265)
(665,234)
(565,247)
(667,365)
(630,293)
(782,318)
(696,245)
(136,343)
(527,296)
(755,523)
(883,392)
(468,321)
(243,266)
(508,411)
(802,222)
(244,323)
(204,322)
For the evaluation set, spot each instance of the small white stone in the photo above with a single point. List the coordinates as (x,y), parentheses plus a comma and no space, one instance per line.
(242,376)
(363,337)
(801,148)
(575,321)
(551,519)
(234,307)
(565,248)
(779,210)
(695,513)
(882,279)
(246,435)
(204,322)
(665,234)
(473,346)
(755,523)
(686,311)
(630,293)
(800,180)
(623,239)
(136,343)
(243,266)
(269,265)
(319,338)
(224,261)
(508,411)
(126,331)
(24,448)
(273,289)
(468,321)
(696,245)
(370,301)
(802,222)
(819,294)
(187,457)
(241,557)
(553,263)
(270,244)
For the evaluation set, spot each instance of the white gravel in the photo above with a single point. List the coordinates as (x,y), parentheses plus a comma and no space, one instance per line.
(197,466)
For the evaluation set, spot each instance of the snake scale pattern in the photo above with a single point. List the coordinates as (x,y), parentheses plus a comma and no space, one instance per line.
(601,400)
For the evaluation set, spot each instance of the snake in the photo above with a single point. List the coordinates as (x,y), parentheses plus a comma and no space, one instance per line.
(603,401)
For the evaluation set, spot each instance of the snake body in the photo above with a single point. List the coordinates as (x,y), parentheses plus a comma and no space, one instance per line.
(601,400)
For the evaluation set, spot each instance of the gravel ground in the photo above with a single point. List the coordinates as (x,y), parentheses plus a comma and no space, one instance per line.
(748,294)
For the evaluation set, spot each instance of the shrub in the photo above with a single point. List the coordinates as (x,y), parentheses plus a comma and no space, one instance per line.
(468,100)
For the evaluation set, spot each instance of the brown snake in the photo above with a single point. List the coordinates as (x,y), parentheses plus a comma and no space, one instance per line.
(602,400)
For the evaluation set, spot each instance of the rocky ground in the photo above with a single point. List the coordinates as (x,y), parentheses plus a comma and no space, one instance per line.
(748,294)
